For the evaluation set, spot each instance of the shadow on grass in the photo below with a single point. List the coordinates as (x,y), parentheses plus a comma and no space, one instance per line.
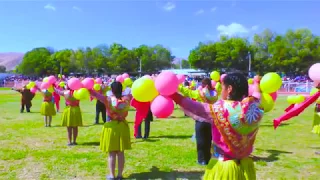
(172,137)
(271,125)
(179,117)
(144,140)
(90,144)
(274,155)
(155,173)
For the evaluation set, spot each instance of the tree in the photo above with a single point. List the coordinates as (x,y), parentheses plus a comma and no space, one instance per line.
(2,69)
(37,62)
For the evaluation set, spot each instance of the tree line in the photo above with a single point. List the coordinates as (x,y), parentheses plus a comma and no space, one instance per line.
(294,51)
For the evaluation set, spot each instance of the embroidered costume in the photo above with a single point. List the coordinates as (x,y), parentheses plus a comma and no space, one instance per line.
(235,126)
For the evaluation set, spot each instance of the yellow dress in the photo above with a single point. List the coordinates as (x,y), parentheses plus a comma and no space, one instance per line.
(47,106)
(71,116)
(116,133)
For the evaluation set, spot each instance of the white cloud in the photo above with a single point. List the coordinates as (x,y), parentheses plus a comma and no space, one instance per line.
(50,7)
(235,29)
(213,9)
(200,11)
(76,8)
(169,6)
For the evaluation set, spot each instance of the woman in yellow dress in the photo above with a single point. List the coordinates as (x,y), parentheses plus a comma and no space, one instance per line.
(115,137)
(71,116)
(235,121)
(47,107)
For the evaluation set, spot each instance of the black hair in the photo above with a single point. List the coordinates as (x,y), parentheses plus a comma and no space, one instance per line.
(239,85)
(116,88)
(186,83)
(207,81)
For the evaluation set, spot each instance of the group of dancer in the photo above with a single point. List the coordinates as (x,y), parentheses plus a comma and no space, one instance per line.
(228,118)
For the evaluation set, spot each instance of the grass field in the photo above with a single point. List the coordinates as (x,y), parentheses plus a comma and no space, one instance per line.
(28,150)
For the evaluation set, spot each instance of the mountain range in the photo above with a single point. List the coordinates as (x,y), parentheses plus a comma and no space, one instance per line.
(10,59)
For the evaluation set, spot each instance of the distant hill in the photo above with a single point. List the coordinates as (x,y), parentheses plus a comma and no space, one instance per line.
(11,59)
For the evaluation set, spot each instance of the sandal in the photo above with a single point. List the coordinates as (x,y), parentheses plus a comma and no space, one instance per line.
(110,177)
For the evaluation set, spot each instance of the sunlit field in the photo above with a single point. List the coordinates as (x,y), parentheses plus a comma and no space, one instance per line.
(28,150)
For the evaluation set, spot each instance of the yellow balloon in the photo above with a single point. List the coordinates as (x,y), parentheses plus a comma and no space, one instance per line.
(28,86)
(193,83)
(299,99)
(291,99)
(267,102)
(97,87)
(313,91)
(250,81)
(270,82)
(127,82)
(82,94)
(218,87)
(45,79)
(50,89)
(62,84)
(144,90)
(123,87)
(215,75)
(32,84)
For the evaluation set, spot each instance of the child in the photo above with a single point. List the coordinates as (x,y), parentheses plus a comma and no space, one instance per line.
(47,107)
(235,122)
(71,117)
(115,138)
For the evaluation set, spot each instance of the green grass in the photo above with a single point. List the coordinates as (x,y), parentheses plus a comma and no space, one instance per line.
(28,150)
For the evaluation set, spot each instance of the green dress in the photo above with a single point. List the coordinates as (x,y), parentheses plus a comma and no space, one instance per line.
(71,116)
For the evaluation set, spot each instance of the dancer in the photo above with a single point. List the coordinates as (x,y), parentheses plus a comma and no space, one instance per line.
(47,107)
(202,129)
(235,122)
(71,117)
(316,121)
(26,98)
(56,98)
(115,138)
(147,122)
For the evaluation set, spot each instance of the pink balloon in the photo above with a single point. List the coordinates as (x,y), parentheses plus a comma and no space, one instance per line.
(125,75)
(162,107)
(181,78)
(119,79)
(74,84)
(213,83)
(99,81)
(52,79)
(251,89)
(88,83)
(45,85)
(222,77)
(33,90)
(167,83)
(274,96)
(314,72)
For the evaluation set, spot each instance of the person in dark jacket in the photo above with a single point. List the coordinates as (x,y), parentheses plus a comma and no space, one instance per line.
(101,108)
(26,98)
(147,121)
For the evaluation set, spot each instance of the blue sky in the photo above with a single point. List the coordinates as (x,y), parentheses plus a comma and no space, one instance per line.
(178,25)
